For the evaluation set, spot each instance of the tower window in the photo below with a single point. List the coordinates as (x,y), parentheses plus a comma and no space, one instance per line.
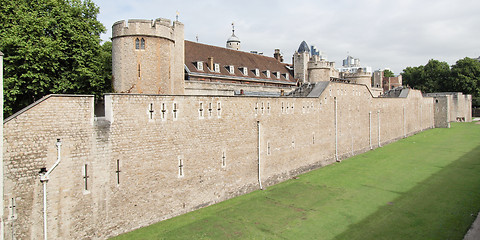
(137,43)
(142,44)
(138,70)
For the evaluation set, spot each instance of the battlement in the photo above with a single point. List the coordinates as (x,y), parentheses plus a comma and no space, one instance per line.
(317,63)
(159,27)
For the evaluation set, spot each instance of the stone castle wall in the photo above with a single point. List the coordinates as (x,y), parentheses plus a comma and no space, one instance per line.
(133,154)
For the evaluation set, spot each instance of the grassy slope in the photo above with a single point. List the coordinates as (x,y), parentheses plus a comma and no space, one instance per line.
(424,187)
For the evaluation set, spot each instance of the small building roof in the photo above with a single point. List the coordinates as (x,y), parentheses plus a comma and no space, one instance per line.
(197,52)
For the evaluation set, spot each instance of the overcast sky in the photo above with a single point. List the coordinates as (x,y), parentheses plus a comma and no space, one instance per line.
(381,33)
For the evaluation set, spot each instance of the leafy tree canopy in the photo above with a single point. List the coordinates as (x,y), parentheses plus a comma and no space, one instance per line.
(388,73)
(50,46)
(437,76)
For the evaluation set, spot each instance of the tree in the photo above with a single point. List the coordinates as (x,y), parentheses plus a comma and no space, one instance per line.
(388,73)
(412,76)
(429,78)
(465,78)
(50,46)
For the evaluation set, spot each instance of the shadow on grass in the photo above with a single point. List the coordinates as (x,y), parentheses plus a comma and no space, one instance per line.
(440,207)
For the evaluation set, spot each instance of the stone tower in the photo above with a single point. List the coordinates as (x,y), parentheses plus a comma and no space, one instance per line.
(233,42)
(300,62)
(148,57)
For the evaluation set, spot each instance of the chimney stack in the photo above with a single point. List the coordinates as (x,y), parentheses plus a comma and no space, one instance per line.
(277,55)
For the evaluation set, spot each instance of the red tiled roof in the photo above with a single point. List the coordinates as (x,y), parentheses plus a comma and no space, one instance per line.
(225,57)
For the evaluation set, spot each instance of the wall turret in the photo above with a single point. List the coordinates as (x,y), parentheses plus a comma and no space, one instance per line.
(300,62)
(148,56)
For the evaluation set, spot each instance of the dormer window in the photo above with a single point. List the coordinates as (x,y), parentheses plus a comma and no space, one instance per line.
(217,67)
(277,74)
(267,73)
(285,75)
(199,65)
(256,72)
(230,69)
(244,71)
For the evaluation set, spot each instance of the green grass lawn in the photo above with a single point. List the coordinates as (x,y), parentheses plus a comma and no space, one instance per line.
(423,187)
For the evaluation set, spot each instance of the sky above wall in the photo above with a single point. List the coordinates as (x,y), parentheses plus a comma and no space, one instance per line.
(381,33)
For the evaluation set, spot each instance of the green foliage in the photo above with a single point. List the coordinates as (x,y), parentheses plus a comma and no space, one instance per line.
(426,186)
(388,73)
(50,46)
(437,76)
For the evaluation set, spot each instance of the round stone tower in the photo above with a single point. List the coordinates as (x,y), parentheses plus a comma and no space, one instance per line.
(148,57)
(233,42)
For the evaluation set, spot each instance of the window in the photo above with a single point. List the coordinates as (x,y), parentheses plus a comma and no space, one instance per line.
(231,69)
(219,109)
(244,70)
(181,173)
(277,75)
(118,172)
(285,75)
(137,43)
(85,176)
(175,111)
(139,70)
(256,72)
(142,44)
(199,65)
(217,67)
(224,159)
(267,73)
(200,110)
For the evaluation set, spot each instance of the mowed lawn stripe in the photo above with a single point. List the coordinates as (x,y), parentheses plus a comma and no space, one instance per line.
(426,186)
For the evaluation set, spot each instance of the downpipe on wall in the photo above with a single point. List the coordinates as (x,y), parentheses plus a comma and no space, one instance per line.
(258,150)
(44,177)
(336,130)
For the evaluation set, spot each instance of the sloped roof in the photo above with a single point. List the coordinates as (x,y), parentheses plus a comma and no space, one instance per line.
(195,52)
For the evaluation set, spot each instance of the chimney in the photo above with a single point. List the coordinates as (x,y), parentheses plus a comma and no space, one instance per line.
(277,55)
(210,63)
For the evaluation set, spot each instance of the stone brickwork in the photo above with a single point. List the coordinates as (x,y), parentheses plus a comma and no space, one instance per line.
(153,157)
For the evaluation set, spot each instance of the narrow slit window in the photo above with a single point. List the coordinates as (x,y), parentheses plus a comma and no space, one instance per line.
(150,111)
(164,112)
(210,109)
(263,108)
(139,71)
(142,44)
(175,111)
(224,159)
(219,109)
(200,110)
(117,172)
(180,168)
(268,148)
(268,107)
(137,43)
(85,177)
(256,108)
(12,207)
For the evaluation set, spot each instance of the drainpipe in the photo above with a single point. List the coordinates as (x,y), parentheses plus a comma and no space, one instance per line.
(44,177)
(404,120)
(379,143)
(258,150)
(370,129)
(336,130)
